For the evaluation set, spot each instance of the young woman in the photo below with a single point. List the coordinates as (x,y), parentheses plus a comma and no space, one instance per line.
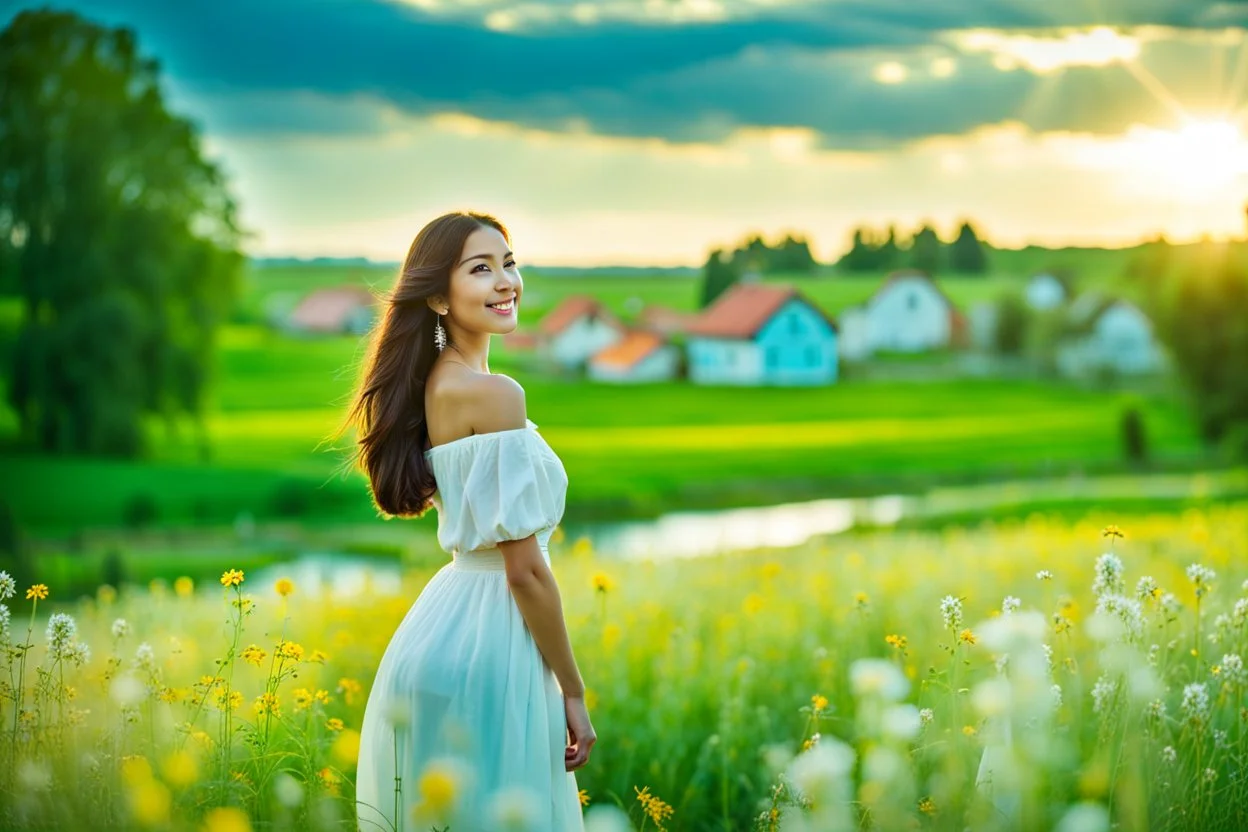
(477,703)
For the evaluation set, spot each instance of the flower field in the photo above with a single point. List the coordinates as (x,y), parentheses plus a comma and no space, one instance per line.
(1028,675)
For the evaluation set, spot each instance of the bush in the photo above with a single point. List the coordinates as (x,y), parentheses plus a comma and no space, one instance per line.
(1134,437)
(291,498)
(140,511)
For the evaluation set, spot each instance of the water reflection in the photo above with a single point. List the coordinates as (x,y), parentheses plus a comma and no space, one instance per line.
(696,533)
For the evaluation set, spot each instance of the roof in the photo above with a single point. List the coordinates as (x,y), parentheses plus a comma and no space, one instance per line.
(663,319)
(629,350)
(573,308)
(742,310)
(328,308)
(905,274)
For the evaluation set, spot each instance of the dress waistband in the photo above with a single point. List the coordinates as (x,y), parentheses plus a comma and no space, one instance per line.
(482,560)
(485,560)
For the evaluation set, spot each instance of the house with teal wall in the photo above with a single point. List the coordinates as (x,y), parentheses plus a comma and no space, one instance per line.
(755,334)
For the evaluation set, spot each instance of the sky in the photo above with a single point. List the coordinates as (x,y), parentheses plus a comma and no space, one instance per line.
(646,132)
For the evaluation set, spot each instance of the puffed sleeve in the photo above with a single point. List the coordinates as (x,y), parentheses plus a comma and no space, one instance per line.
(499,486)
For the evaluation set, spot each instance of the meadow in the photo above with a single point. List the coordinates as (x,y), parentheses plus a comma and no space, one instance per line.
(1033,674)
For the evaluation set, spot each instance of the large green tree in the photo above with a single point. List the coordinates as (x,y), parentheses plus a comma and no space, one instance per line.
(1204,321)
(966,253)
(117,233)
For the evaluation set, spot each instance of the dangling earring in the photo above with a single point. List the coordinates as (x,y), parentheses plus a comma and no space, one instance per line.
(439,335)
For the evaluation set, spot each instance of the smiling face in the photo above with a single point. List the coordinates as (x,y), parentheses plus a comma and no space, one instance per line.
(485,287)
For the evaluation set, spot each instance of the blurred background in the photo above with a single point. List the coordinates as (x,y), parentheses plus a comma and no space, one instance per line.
(790,267)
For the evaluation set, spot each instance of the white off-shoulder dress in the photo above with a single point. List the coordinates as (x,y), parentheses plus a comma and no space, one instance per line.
(462,687)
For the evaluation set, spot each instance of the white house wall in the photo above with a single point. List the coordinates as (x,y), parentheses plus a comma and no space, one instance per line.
(720,361)
(910,316)
(659,365)
(581,339)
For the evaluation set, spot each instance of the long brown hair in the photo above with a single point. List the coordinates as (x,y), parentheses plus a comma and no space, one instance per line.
(388,406)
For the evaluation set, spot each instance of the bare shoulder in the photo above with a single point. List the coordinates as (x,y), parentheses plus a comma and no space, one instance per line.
(460,403)
(495,402)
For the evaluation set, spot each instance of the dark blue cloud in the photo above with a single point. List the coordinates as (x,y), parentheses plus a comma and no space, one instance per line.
(802,65)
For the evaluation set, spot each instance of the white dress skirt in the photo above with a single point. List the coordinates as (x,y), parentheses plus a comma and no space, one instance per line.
(464,711)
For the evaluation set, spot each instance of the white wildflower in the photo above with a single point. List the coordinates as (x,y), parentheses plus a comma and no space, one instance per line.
(121,628)
(1010,604)
(1196,703)
(1240,612)
(822,773)
(514,809)
(144,656)
(1124,610)
(951,612)
(902,722)
(1108,575)
(1210,775)
(1146,588)
(61,631)
(1056,692)
(1233,669)
(1170,605)
(1103,694)
(1168,754)
(926,715)
(1044,575)
(78,653)
(878,677)
(1201,577)
(8,586)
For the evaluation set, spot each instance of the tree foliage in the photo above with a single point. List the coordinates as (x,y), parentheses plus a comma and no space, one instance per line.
(1204,322)
(116,232)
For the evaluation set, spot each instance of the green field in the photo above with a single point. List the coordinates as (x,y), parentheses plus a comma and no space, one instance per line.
(630,451)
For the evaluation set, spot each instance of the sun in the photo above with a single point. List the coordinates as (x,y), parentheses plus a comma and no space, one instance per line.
(1201,156)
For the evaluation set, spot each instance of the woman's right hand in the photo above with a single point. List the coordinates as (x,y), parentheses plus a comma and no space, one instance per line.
(581,736)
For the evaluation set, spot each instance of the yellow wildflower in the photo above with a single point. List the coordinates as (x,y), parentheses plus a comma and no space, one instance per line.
(927,807)
(254,654)
(602,582)
(302,697)
(184,586)
(334,724)
(284,587)
(266,703)
(969,730)
(656,809)
(584,796)
(319,656)
(437,787)
(329,780)
(322,696)
(967,637)
(38,592)
(1112,531)
(226,819)
(860,600)
(290,650)
(232,577)
(896,641)
(819,702)
(349,688)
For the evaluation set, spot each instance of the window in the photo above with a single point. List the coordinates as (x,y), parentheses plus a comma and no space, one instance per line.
(912,302)
(795,324)
(812,356)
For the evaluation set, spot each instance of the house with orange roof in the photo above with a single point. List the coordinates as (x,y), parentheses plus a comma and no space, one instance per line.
(575,330)
(333,310)
(907,313)
(640,356)
(760,334)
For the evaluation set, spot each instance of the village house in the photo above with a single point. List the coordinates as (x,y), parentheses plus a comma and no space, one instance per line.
(640,356)
(334,310)
(577,329)
(1108,334)
(908,313)
(756,334)
(1045,291)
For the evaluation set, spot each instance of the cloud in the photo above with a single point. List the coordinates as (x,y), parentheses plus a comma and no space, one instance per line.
(857,72)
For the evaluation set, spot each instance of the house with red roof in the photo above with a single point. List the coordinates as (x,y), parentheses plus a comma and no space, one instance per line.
(908,313)
(760,334)
(334,310)
(640,356)
(578,328)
